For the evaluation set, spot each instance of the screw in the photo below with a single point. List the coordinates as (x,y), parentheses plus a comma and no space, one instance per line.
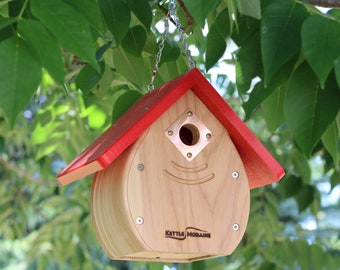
(189,155)
(189,113)
(236,227)
(140,167)
(139,220)
(208,136)
(170,132)
(235,175)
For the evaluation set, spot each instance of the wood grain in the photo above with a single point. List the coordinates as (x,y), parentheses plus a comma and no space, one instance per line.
(181,221)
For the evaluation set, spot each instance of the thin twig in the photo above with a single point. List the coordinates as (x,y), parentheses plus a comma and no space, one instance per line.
(187,14)
(325,3)
(191,20)
(22,173)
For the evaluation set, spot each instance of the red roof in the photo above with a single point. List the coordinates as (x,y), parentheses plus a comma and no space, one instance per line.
(262,169)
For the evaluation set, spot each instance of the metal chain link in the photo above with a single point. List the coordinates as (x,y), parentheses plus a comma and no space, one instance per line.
(182,36)
(171,14)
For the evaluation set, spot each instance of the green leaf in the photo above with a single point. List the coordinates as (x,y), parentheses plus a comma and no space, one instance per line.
(171,51)
(321,44)
(251,8)
(124,102)
(117,17)
(301,165)
(257,95)
(305,197)
(267,266)
(302,248)
(171,69)
(247,26)
(134,40)
(200,9)
(96,118)
(249,62)
(335,179)
(261,93)
(317,257)
(155,266)
(199,265)
(131,67)
(290,186)
(90,10)
(308,109)
(216,46)
(4,22)
(19,77)
(15,8)
(216,39)
(334,12)
(42,133)
(273,109)
(45,46)
(2,144)
(330,140)
(142,10)
(88,77)
(337,70)
(6,30)
(69,26)
(280,35)
(103,49)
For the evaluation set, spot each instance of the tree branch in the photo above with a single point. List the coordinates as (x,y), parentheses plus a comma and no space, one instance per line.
(191,20)
(22,173)
(325,3)
(187,14)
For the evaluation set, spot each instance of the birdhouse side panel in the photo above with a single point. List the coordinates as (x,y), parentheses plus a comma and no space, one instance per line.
(110,211)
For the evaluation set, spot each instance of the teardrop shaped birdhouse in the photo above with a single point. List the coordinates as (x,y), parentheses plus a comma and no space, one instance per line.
(173,175)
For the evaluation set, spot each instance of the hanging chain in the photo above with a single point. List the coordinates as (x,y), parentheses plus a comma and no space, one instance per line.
(171,14)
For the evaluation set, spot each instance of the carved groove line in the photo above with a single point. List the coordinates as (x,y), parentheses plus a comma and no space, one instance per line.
(189,169)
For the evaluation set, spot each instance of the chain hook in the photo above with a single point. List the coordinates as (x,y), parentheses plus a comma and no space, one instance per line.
(171,14)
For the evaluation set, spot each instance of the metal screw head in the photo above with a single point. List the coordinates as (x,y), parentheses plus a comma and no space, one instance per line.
(140,167)
(236,227)
(208,136)
(139,220)
(235,174)
(189,113)
(189,155)
(170,132)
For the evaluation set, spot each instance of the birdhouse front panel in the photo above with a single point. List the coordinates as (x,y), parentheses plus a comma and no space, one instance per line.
(179,193)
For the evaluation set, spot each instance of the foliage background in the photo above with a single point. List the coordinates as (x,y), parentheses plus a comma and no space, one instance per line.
(71,68)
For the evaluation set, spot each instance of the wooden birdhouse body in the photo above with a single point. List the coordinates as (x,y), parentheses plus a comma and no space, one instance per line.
(173,175)
(177,209)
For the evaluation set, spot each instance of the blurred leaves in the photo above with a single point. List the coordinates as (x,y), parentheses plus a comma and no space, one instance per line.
(71,68)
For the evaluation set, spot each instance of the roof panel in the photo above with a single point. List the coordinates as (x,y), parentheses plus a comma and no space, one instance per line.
(261,167)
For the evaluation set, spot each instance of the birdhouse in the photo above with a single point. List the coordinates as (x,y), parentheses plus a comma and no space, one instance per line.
(173,175)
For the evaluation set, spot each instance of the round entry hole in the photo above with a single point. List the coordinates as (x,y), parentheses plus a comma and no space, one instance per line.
(189,134)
